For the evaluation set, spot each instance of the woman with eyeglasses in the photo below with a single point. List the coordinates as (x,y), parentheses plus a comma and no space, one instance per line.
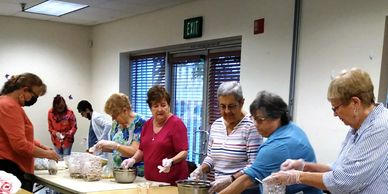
(124,136)
(62,126)
(17,145)
(233,140)
(362,165)
(284,140)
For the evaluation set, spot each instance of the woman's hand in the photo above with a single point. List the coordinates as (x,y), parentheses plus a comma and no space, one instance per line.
(197,173)
(106,145)
(127,163)
(284,178)
(293,164)
(52,155)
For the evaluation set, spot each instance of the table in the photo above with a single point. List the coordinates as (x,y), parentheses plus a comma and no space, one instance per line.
(62,182)
(22,191)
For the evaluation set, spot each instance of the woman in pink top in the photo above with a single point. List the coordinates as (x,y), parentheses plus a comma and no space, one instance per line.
(17,145)
(163,141)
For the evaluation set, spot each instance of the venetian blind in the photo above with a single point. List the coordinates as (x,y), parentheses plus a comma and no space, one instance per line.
(223,66)
(145,72)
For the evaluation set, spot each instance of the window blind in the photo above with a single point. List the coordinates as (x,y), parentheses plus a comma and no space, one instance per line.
(145,72)
(223,66)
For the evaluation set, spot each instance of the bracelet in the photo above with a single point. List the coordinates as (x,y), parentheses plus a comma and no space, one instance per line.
(233,178)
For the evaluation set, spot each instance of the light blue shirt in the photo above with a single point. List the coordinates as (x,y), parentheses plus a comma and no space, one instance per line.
(287,142)
(101,126)
(362,165)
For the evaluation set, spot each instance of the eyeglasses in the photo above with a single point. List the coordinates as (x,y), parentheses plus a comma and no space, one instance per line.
(230,107)
(335,108)
(258,119)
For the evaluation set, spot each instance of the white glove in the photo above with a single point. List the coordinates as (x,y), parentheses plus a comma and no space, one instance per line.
(128,163)
(106,145)
(166,165)
(59,135)
(220,183)
(167,162)
(196,174)
(293,164)
(289,177)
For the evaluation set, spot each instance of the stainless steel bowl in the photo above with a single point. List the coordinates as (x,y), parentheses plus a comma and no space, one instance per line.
(124,175)
(192,186)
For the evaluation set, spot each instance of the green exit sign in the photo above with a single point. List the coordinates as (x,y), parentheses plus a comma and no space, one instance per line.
(192,28)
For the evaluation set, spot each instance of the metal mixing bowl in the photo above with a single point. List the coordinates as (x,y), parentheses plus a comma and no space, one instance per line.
(124,175)
(192,186)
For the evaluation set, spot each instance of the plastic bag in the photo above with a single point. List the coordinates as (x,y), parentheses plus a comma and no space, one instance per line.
(52,167)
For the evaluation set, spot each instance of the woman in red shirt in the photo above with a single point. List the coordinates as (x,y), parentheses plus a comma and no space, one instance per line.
(163,141)
(62,126)
(17,145)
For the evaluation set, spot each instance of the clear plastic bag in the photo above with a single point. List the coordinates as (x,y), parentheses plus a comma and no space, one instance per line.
(75,164)
(41,164)
(91,170)
(273,189)
(52,167)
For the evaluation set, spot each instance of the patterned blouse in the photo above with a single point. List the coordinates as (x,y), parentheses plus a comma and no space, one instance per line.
(125,136)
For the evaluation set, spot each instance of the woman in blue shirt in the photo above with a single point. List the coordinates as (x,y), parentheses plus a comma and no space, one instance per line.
(284,140)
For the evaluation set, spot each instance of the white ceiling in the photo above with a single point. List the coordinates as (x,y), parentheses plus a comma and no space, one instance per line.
(99,11)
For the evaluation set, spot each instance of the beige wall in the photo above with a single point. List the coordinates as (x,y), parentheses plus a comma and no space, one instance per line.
(59,54)
(334,35)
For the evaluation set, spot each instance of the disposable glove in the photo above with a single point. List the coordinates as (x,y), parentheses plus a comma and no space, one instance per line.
(106,145)
(293,164)
(127,163)
(167,162)
(220,183)
(166,165)
(196,174)
(289,177)
(59,135)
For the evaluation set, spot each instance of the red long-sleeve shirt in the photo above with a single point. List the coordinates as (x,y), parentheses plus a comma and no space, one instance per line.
(16,134)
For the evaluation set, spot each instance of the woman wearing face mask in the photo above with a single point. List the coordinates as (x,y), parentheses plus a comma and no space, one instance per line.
(62,126)
(17,145)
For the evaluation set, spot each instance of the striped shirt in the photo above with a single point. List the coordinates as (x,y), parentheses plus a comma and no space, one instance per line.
(228,154)
(362,165)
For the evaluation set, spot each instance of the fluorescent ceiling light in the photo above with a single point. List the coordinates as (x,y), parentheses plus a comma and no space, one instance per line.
(55,8)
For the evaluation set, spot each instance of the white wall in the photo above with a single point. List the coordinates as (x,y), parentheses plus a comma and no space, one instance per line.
(334,35)
(59,54)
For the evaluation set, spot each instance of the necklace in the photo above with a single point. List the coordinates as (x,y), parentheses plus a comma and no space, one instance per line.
(157,127)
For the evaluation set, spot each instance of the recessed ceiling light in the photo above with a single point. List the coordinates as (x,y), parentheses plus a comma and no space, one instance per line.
(55,8)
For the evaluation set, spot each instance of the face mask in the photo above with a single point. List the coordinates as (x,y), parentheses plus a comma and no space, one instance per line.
(89,116)
(31,101)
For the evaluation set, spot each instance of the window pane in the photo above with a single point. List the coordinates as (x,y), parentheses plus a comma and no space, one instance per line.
(145,71)
(188,100)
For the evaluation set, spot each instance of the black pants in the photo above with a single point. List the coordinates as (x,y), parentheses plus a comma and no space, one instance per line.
(12,168)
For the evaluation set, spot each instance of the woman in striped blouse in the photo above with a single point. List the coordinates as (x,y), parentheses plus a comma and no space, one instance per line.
(362,165)
(233,140)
